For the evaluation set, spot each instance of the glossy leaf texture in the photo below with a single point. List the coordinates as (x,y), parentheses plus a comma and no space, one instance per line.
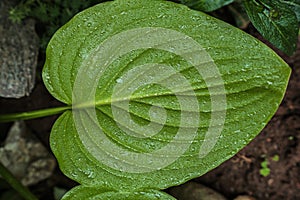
(276,21)
(160,94)
(206,5)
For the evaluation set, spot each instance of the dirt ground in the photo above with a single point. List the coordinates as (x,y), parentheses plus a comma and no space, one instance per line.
(278,144)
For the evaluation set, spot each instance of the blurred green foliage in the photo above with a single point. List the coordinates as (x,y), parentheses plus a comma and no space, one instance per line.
(50,14)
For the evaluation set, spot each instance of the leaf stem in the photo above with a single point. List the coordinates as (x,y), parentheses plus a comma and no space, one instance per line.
(33,114)
(22,190)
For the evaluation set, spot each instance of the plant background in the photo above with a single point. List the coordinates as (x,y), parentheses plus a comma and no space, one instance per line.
(278,145)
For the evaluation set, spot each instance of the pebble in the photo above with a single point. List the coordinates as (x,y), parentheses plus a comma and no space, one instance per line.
(25,156)
(195,191)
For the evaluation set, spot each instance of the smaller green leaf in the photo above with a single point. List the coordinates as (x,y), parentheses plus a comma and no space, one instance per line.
(275,158)
(265,170)
(206,5)
(276,22)
(103,193)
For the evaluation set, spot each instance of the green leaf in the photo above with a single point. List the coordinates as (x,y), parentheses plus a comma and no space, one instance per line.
(293,5)
(82,192)
(160,94)
(276,22)
(265,170)
(275,158)
(206,5)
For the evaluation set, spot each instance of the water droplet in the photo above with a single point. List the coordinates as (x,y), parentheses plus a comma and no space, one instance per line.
(161,16)
(74,174)
(119,80)
(91,174)
(50,87)
(46,76)
(157,196)
(195,18)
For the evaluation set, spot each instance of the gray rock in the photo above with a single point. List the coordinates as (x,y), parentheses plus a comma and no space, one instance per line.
(195,191)
(25,156)
(19,45)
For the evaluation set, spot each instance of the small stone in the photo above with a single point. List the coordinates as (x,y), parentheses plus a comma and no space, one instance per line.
(244,197)
(25,156)
(195,191)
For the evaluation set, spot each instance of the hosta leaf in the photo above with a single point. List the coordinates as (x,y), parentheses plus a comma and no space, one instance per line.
(206,5)
(160,94)
(82,192)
